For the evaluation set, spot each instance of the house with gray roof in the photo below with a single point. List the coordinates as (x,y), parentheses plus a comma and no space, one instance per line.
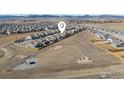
(117,43)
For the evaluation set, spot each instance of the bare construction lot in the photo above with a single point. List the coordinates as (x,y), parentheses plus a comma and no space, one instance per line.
(60,60)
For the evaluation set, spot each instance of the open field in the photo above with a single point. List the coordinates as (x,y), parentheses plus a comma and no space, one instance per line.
(62,60)
(115,26)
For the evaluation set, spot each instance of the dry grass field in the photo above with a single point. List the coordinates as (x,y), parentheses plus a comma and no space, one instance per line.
(115,26)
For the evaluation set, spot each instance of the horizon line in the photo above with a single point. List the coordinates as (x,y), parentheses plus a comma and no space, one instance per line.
(65,14)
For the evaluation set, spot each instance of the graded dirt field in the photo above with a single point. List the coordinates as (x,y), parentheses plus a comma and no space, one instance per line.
(61,62)
(1,53)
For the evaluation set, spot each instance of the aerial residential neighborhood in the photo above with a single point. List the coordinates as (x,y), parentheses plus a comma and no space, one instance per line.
(61,46)
(48,48)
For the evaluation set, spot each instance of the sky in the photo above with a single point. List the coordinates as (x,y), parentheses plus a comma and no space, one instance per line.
(76,7)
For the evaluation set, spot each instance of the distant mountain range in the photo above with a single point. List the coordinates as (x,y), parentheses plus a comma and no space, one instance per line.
(5,17)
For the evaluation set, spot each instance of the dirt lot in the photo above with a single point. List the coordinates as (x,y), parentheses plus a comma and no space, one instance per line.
(61,62)
(1,53)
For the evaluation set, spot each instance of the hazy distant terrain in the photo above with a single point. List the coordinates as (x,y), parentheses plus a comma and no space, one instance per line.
(60,16)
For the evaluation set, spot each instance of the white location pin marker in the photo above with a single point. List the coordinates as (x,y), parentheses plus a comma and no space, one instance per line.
(61,26)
